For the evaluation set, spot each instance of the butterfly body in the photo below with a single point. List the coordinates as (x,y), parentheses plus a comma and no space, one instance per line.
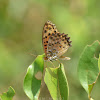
(55,44)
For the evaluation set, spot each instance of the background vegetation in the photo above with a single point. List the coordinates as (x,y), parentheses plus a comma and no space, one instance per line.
(21,24)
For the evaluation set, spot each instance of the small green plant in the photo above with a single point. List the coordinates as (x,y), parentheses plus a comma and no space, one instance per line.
(8,95)
(55,78)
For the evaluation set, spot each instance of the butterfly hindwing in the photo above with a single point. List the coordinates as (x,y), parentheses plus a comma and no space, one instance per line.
(58,44)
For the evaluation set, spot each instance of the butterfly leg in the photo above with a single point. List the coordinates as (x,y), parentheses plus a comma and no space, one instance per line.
(64,58)
(51,63)
(58,61)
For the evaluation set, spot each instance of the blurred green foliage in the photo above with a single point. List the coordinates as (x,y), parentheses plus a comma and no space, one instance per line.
(21,24)
(8,95)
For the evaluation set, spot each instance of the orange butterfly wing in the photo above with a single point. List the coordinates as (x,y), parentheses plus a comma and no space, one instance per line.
(58,44)
(48,29)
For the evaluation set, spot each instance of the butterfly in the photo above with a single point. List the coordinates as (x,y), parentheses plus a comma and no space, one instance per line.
(54,43)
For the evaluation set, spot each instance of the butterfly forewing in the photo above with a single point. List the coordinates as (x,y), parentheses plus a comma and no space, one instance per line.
(48,30)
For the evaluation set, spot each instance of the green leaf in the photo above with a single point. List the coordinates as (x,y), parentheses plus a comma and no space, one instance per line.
(56,82)
(32,81)
(99,62)
(8,95)
(88,67)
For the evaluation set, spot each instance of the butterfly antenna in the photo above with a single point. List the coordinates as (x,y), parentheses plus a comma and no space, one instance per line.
(33,55)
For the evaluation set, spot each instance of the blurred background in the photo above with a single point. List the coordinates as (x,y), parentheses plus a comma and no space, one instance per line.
(21,25)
